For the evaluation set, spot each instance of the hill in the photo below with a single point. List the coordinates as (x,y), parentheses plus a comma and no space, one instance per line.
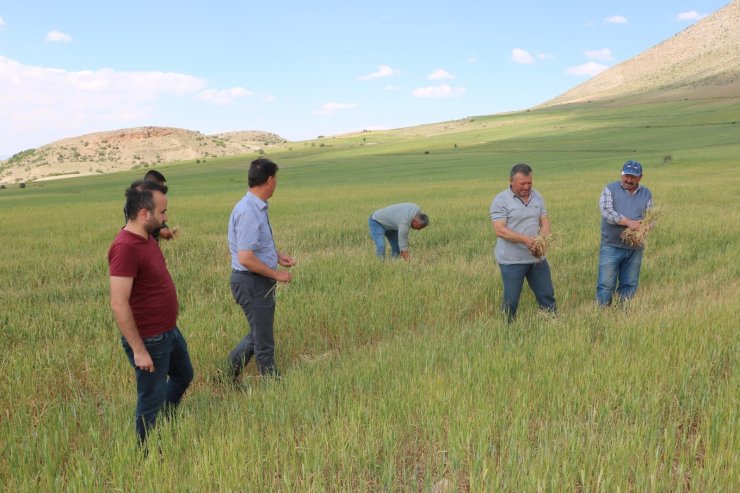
(703,60)
(130,148)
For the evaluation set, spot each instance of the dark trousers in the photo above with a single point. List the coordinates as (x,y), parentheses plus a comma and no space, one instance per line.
(163,389)
(256,295)
(539,279)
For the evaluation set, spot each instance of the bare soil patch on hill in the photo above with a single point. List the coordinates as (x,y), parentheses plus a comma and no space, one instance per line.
(131,148)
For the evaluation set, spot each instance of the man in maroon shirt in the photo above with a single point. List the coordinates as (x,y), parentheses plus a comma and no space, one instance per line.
(144,302)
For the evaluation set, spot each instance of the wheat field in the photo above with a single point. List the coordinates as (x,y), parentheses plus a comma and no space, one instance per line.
(397,376)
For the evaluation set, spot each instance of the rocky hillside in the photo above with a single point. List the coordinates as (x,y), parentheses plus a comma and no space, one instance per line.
(703,60)
(126,149)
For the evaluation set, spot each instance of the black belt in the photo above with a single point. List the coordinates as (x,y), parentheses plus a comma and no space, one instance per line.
(235,271)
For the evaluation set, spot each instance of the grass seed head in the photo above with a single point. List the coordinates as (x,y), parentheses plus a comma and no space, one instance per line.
(542,243)
(638,237)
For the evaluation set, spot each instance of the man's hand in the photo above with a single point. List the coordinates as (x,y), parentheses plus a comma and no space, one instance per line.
(166,234)
(144,361)
(286,260)
(634,225)
(529,243)
(283,276)
(405,255)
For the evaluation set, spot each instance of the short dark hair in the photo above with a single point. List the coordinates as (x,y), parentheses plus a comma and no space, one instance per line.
(260,170)
(139,196)
(155,175)
(423,219)
(520,168)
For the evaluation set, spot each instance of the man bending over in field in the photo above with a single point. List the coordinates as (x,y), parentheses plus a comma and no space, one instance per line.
(394,224)
(144,302)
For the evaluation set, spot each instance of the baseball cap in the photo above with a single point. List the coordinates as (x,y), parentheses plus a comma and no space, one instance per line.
(632,168)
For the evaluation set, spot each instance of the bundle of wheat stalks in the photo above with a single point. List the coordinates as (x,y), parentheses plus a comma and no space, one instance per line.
(637,237)
(542,243)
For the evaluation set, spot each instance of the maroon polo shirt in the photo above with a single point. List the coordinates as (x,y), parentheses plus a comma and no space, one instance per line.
(153,297)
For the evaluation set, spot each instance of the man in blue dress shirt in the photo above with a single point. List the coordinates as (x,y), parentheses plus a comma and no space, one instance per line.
(254,270)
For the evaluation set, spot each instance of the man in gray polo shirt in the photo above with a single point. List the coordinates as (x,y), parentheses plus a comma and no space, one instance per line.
(623,204)
(254,264)
(518,214)
(394,224)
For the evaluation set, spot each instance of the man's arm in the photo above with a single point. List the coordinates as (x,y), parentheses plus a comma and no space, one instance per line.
(403,236)
(249,260)
(166,233)
(120,293)
(606,204)
(285,260)
(545,228)
(403,240)
(499,227)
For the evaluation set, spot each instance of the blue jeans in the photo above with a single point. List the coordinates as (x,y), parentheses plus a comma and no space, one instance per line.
(379,234)
(617,264)
(539,279)
(164,388)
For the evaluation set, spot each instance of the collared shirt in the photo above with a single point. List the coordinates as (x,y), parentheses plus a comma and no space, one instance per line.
(249,229)
(521,218)
(606,204)
(616,202)
(398,217)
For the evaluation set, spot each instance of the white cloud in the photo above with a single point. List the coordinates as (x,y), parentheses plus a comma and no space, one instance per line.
(2,22)
(269,98)
(223,97)
(604,54)
(51,103)
(440,74)
(472,59)
(590,69)
(521,56)
(691,15)
(443,91)
(58,37)
(545,56)
(331,108)
(392,88)
(617,19)
(383,71)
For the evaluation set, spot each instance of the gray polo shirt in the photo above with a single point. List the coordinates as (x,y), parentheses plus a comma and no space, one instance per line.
(398,217)
(249,229)
(520,218)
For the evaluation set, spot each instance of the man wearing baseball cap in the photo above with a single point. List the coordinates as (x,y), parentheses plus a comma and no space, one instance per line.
(623,205)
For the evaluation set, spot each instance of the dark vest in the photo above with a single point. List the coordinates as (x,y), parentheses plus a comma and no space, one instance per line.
(630,206)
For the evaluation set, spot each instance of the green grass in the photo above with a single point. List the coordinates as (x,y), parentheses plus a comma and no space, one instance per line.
(397,376)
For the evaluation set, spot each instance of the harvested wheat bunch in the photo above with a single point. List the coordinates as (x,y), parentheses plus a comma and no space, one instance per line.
(638,237)
(542,243)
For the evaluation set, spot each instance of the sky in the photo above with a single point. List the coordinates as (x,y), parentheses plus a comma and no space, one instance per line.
(304,69)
